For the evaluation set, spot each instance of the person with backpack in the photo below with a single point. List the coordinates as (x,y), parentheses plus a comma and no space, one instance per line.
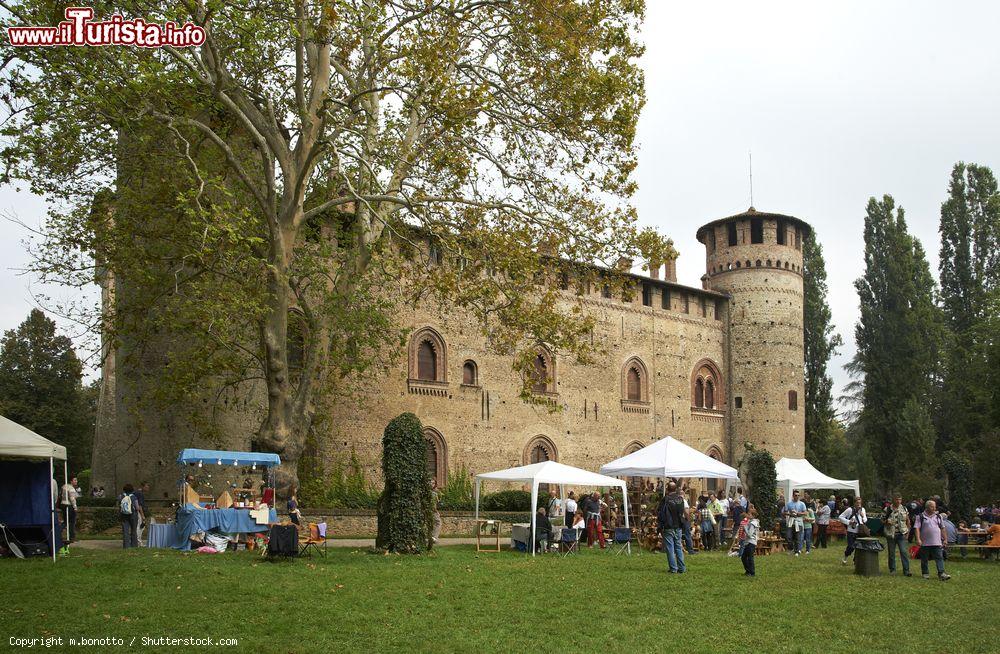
(931,539)
(670,518)
(748,533)
(129,513)
(855,518)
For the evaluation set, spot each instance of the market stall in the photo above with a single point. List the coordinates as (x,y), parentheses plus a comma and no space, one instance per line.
(236,510)
(550,472)
(27,486)
(799,473)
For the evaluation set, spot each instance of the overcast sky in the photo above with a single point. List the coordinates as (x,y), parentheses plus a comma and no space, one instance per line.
(838,101)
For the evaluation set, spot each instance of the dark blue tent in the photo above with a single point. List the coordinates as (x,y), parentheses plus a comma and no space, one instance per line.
(27,500)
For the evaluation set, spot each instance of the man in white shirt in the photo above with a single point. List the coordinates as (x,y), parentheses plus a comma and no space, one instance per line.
(570,509)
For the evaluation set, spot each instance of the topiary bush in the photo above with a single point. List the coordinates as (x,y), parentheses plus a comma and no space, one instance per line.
(958,470)
(762,482)
(405,511)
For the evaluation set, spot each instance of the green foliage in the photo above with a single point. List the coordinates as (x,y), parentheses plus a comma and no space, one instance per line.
(105,518)
(762,485)
(341,486)
(898,337)
(506,500)
(405,507)
(41,388)
(83,479)
(958,471)
(820,343)
(246,188)
(969,267)
(457,492)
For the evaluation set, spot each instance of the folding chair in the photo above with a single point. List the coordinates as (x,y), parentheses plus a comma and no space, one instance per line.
(316,540)
(622,539)
(569,541)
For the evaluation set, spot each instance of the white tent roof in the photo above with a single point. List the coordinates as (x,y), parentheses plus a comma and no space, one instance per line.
(19,441)
(668,457)
(551,472)
(799,473)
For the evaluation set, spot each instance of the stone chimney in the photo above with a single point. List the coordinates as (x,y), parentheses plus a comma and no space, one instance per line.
(549,245)
(654,269)
(670,270)
(624,264)
(705,282)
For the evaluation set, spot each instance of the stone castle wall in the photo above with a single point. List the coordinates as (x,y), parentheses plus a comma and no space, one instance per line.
(487,426)
(745,328)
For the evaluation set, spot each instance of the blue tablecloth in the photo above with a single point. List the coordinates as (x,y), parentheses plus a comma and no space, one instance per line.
(229,521)
(160,535)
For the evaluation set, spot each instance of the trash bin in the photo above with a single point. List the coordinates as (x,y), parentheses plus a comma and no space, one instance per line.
(866,556)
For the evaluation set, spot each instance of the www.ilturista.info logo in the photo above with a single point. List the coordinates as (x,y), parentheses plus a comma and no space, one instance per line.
(79,30)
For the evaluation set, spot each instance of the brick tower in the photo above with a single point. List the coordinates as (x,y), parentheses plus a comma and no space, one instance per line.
(756,258)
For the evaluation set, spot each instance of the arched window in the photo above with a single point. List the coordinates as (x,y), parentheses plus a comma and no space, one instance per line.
(470,373)
(539,449)
(543,372)
(633,383)
(427,356)
(426,361)
(634,483)
(711,483)
(707,391)
(437,456)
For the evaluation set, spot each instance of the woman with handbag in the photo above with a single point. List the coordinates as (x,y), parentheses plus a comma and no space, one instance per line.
(855,518)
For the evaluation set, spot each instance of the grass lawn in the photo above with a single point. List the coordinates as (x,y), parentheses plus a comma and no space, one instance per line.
(456,600)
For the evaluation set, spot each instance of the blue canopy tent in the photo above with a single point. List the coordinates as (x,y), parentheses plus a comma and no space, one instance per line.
(194,456)
(27,482)
(191,519)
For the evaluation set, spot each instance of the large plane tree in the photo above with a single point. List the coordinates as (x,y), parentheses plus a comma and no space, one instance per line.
(260,193)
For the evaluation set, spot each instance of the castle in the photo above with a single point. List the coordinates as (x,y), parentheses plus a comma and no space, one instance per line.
(716,366)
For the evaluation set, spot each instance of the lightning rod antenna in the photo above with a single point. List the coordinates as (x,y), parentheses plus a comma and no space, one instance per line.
(750,153)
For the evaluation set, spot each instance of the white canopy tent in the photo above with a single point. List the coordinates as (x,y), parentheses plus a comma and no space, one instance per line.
(550,472)
(668,457)
(20,442)
(799,473)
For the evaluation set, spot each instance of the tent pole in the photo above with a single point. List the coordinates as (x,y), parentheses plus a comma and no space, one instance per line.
(534,501)
(625,505)
(478,481)
(66,481)
(52,509)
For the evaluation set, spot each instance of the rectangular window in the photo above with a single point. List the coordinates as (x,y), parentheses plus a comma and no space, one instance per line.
(628,292)
(731,233)
(704,308)
(793,401)
(798,238)
(738,401)
(665,299)
(756,230)
(781,232)
(564,281)
(687,304)
(647,295)
(606,291)
(718,309)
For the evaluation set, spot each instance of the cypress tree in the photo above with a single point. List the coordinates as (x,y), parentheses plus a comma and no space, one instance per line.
(820,344)
(898,339)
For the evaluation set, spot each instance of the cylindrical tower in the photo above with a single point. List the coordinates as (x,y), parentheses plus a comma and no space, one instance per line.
(756,258)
